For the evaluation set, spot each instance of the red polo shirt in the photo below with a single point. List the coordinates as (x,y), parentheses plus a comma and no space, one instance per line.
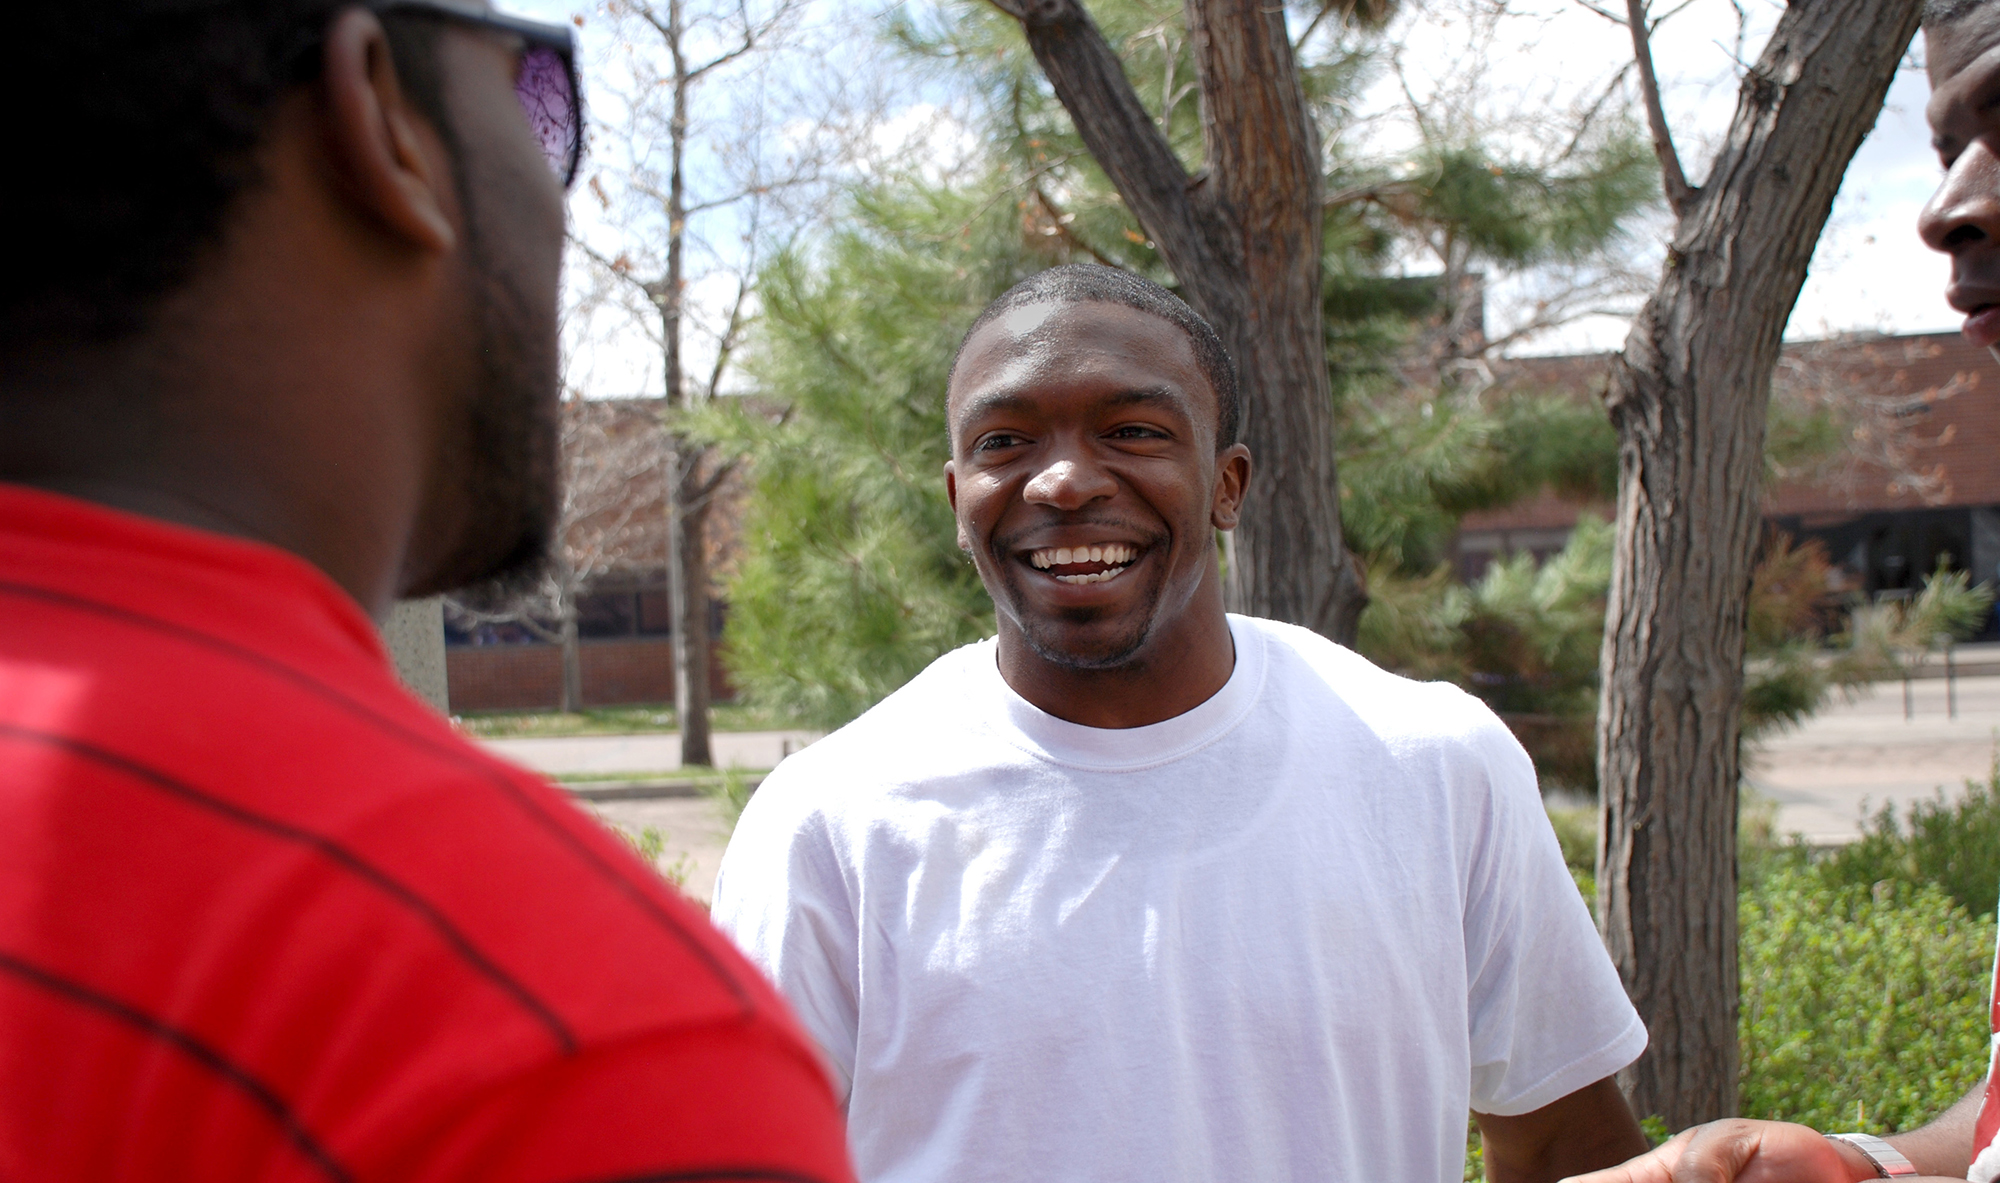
(264,916)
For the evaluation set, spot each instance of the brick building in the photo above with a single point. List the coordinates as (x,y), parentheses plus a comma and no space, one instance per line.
(614,528)
(1918,480)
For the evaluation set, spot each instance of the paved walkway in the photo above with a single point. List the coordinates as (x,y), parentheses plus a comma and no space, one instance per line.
(659,752)
(1854,757)
(691,835)
(691,828)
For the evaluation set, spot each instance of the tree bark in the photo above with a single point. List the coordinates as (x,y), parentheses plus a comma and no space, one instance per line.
(572,661)
(1689,396)
(1243,240)
(687,588)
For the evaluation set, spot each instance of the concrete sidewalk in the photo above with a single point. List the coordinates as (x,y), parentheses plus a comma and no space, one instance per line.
(660,752)
(1856,756)
(691,828)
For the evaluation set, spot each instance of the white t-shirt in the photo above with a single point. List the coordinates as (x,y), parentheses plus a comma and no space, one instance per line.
(1294,933)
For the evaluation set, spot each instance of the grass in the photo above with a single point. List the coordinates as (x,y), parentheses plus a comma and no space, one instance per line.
(641,719)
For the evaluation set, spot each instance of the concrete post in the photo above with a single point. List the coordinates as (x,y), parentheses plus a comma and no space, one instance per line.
(414,635)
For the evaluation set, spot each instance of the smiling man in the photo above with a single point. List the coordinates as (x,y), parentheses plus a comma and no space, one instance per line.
(1139,890)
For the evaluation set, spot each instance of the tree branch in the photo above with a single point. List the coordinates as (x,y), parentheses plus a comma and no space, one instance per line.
(1090,81)
(1680,195)
(708,488)
(1326,8)
(1354,193)
(1056,216)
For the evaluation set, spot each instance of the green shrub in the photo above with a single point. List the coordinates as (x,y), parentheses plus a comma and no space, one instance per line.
(730,795)
(1954,845)
(1864,1006)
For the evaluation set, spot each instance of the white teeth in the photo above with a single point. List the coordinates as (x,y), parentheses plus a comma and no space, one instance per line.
(1095,577)
(1061,555)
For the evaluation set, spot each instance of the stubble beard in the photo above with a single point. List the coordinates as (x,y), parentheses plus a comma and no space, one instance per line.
(1048,638)
(507,447)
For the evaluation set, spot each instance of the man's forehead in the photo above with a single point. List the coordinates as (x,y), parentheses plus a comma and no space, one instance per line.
(1077,332)
(1951,48)
(1030,346)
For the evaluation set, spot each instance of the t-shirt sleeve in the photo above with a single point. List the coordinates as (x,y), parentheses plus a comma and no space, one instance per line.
(781,896)
(731,1100)
(1548,1014)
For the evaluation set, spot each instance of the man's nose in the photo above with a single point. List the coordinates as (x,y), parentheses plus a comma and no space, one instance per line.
(1965,210)
(1070,481)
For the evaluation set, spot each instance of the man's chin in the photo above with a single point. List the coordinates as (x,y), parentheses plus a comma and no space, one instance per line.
(1086,647)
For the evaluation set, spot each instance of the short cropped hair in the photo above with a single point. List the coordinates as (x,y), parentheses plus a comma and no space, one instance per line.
(1946,12)
(138,127)
(1089,283)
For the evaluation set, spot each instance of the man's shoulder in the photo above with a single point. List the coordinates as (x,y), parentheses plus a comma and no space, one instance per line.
(918,730)
(1303,665)
(258,774)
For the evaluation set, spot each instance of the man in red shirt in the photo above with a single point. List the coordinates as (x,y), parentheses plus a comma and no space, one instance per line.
(277,346)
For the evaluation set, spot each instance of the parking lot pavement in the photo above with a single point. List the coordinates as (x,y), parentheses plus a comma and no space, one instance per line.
(1856,756)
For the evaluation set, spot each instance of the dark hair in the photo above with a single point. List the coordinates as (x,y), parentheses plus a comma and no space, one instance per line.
(1946,12)
(139,126)
(1089,283)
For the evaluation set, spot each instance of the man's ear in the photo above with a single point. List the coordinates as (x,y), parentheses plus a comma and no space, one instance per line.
(1232,481)
(951,495)
(389,159)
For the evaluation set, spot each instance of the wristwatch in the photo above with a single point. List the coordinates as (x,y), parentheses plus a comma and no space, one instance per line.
(1889,1162)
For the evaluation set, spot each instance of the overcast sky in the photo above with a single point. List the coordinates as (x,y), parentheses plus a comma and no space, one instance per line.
(1870,272)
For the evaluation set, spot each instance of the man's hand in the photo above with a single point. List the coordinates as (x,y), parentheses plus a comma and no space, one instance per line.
(1738,1151)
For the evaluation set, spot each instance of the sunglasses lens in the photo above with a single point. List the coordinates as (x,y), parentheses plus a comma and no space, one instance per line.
(549,98)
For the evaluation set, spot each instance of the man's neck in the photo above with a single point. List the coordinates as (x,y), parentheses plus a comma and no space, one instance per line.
(1176,670)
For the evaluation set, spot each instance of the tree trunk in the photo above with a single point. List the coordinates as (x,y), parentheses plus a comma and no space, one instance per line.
(572,661)
(1689,397)
(1243,238)
(687,567)
(688,589)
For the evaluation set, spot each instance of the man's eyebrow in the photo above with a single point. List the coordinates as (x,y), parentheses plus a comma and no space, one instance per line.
(1147,396)
(1001,400)
(987,404)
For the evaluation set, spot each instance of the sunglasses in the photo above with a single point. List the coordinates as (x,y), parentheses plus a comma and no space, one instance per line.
(547,85)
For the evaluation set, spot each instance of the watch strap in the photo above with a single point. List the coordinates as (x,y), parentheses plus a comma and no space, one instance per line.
(1889,1162)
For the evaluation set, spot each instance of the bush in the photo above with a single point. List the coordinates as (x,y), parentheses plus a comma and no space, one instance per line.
(1954,845)
(1864,973)
(1864,1006)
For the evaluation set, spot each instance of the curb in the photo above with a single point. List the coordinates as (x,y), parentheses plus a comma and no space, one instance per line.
(642,790)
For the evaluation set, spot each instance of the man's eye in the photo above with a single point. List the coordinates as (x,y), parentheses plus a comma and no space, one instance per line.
(995,442)
(1133,431)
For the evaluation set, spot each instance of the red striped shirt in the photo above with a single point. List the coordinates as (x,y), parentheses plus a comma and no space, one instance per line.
(264,916)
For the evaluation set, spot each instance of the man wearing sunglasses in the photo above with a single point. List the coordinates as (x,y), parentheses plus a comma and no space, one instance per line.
(277,347)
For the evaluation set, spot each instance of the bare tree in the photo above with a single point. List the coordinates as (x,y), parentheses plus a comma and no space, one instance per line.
(614,465)
(672,48)
(1689,396)
(1567,180)
(1243,238)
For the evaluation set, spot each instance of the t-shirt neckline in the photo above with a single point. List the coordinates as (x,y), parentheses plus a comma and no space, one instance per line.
(1026,726)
